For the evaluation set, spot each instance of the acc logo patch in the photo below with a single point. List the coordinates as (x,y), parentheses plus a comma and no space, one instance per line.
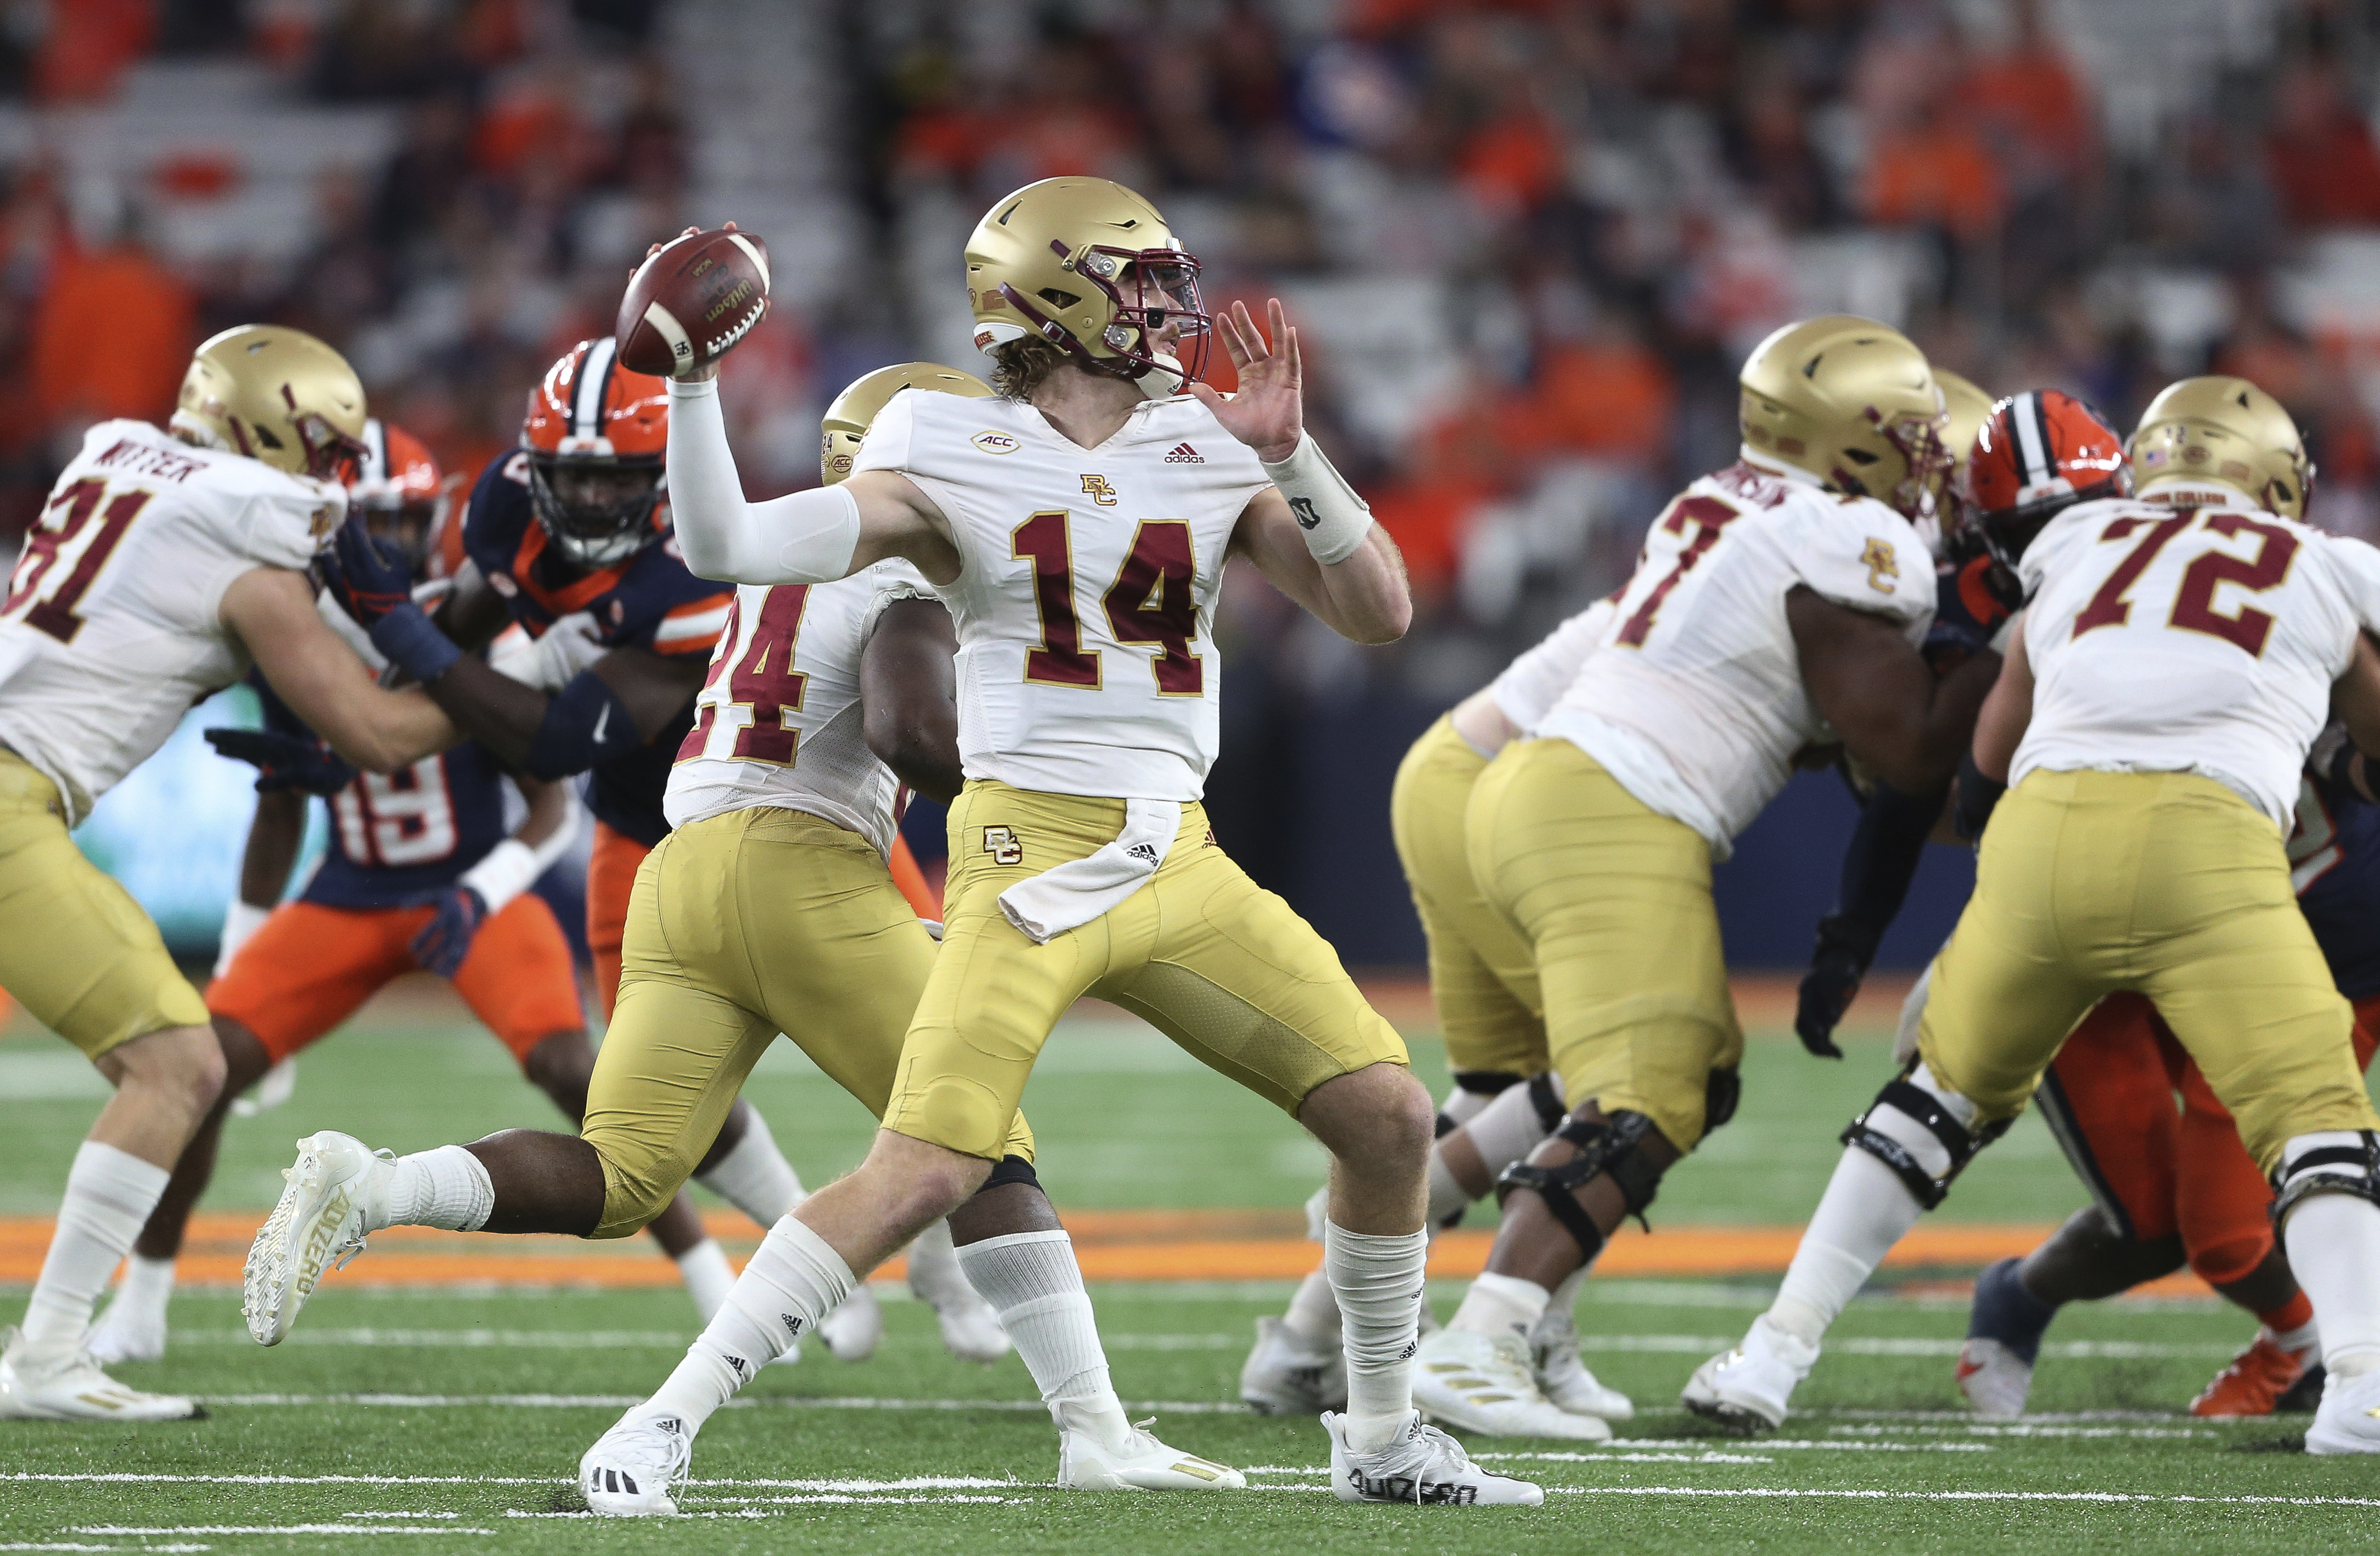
(1881,565)
(994,443)
(1004,847)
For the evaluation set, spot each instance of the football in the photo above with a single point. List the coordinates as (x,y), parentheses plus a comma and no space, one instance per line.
(692,300)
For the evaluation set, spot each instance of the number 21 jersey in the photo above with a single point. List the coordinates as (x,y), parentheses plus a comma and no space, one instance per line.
(2165,638)
(1085,597)
(112,623)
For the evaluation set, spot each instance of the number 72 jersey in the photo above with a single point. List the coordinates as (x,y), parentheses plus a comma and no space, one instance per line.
(112,627)
(2197,640)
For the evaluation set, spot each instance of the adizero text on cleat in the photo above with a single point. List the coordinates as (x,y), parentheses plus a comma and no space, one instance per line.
(1424,1467)
(317,1226)
(633,1468)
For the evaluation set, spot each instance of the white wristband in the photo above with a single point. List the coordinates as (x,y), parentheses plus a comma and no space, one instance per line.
(241,920)
(1334,521)
(511,868)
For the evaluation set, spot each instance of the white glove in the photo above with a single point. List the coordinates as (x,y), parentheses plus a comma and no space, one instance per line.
(549,663)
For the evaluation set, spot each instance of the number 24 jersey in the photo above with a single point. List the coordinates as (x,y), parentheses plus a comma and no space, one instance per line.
(1085,597)
(2201,640)
(112,623)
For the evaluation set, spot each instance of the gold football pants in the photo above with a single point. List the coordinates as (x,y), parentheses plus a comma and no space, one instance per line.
(1482,977)
(1614,902)
(2167,884)
(74,949)
(1200,952)
(750,924)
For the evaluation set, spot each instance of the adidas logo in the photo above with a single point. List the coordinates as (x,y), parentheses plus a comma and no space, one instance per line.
(793,1325)
(742,1369)
(1184,455)
(1146,853)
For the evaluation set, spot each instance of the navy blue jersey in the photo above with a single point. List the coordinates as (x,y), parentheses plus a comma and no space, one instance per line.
(649,602)
(2335,863)
(396,837)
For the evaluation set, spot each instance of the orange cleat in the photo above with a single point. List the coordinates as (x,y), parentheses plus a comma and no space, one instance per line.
(2254,1381)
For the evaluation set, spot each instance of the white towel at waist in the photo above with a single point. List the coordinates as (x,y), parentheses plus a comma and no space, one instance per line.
(1069,896)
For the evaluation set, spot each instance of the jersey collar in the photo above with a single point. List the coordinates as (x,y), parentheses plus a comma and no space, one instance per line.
(2188,494)
(1769,465)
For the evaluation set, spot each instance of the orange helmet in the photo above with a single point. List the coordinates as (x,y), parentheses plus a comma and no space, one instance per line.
(2039,454)
(398,488)
(596,434)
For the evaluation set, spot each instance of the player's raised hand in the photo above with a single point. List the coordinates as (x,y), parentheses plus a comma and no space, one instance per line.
(284,761)
(1269,412)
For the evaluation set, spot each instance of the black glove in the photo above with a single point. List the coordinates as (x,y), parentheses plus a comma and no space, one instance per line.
(284,761)
(442,945)
(369,576)
(1836,965)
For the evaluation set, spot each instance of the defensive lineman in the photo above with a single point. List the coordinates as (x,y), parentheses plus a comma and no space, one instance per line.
(2179,655)
(1077,527)
(164,564)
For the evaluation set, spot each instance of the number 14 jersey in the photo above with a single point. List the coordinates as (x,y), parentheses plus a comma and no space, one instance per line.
(2203,639)
(1085,596)
(1693,697)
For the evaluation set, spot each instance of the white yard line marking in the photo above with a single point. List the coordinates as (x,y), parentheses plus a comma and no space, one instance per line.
(1788,1491)
(784,1401)
(1764,1445)
(267,1529)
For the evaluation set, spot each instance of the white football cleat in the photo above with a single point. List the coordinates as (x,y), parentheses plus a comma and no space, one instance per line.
(2348,1420)
(129,1331)
(74,1389)
(1143,1464)
(970,1327)
(318,1226)
(852,1332)
(1748,1389)
(1483,1384)
(1995,1378)
(1284,1376)
(1424,1467)
(1563,1376)
(632,1468)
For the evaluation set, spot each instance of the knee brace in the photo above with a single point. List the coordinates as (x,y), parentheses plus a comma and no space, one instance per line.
(1011,1169)
(1931,1112)
(1612,1149)
(2333,1167)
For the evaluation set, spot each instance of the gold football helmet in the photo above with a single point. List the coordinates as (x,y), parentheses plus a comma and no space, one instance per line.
(1853,403)
(1091,267)
(277,394)
(2222,431)
(847,421)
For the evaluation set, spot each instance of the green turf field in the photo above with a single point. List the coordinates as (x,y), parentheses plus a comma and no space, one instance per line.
(455,1422)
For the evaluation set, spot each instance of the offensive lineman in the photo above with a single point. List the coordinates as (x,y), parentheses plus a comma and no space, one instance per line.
(1077,526)
(2180,651)
(767,909)
(1777,598)
(164,562)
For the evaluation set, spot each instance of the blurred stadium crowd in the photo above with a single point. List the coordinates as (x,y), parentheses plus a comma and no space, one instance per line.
(1530,240)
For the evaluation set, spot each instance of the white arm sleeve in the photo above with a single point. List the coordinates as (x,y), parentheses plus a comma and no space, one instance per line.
(807,537)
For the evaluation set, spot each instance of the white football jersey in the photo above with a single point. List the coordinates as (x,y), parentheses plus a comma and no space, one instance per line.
(1085,595)
(779,720)
(112,626)
(2195,640)
(1692,699)
(1531,684)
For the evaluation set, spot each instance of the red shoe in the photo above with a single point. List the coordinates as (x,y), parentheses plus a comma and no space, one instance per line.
(2254,1381)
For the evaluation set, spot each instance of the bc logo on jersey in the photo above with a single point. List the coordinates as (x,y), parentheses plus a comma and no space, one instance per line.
(1881,565)
(1097,490)
(1004,847)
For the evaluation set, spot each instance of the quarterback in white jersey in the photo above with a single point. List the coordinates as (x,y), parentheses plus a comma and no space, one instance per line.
(164,565)
(1778,604)
(2175,663)
(1079,527)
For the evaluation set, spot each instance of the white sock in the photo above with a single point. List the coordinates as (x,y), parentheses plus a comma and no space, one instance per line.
(2333,1248)
(1560,1308)
(935,1276)
(1313,1313)
(1377,1279)
(447,1187)
(1463,1106)
(1866,1209)
(1500,1304)
(793,1280)
(109,1196)
(1032,1281)
(147,1286)
(708,1277)
(2305,1337)
(755,1177)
